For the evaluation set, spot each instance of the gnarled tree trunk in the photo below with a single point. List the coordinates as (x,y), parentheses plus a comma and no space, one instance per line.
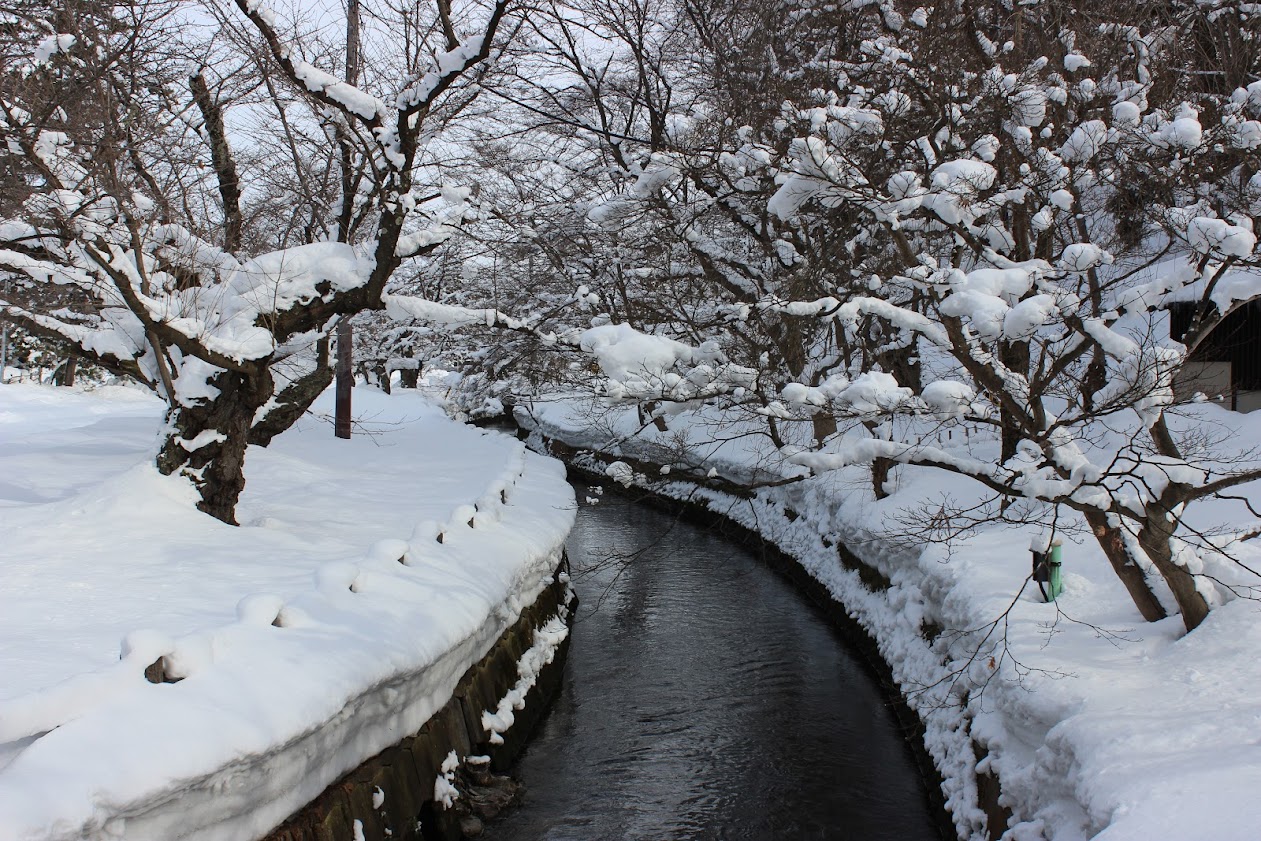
(207,441)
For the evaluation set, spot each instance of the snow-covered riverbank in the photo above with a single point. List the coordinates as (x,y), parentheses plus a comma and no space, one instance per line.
(1096,723)
(328,626)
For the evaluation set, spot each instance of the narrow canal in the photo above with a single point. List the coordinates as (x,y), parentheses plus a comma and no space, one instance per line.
(705,698)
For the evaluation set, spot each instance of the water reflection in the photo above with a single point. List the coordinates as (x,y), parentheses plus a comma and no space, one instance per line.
(705,699)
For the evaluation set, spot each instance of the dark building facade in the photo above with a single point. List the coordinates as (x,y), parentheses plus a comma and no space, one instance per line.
(1226,367)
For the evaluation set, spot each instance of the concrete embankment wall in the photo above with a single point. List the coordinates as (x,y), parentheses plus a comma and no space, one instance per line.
(392,795)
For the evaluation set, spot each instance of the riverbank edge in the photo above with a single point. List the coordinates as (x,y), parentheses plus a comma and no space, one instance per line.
(588,464)
(392,795)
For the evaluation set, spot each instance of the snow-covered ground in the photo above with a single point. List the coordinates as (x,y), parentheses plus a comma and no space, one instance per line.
(328,626)
(1099,725)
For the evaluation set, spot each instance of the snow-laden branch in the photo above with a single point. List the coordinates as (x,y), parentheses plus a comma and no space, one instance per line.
(322,86)
(454,316)
(640,366)
(115,347)
(394,125)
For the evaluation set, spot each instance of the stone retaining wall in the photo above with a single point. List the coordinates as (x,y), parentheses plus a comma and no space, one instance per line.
(391,796)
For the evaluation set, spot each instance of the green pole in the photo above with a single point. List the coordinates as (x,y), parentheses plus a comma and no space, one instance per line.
(1055,585)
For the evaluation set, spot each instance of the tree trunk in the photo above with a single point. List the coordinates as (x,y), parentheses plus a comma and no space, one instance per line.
(383,376)
(1159,524)
(880,468)
(1015,357)
(1124,565)
(222,160)
(824,423)
(904,364)
(1154,537)
(66,376)
(1095,379)
(217,464)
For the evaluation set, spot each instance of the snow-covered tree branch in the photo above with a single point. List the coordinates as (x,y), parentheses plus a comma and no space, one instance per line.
(167,292)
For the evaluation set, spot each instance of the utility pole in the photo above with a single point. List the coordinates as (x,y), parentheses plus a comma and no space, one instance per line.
(345,333)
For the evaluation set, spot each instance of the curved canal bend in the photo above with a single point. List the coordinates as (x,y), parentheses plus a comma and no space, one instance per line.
(705,698)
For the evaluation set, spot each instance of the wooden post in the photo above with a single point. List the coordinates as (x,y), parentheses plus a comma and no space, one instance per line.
(345,379)
(4,339)
(66,376)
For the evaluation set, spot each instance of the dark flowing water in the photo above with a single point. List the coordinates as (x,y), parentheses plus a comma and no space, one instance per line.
(704,698)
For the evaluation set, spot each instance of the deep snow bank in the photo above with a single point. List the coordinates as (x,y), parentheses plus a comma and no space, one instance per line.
(1096,723)
(327,627)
